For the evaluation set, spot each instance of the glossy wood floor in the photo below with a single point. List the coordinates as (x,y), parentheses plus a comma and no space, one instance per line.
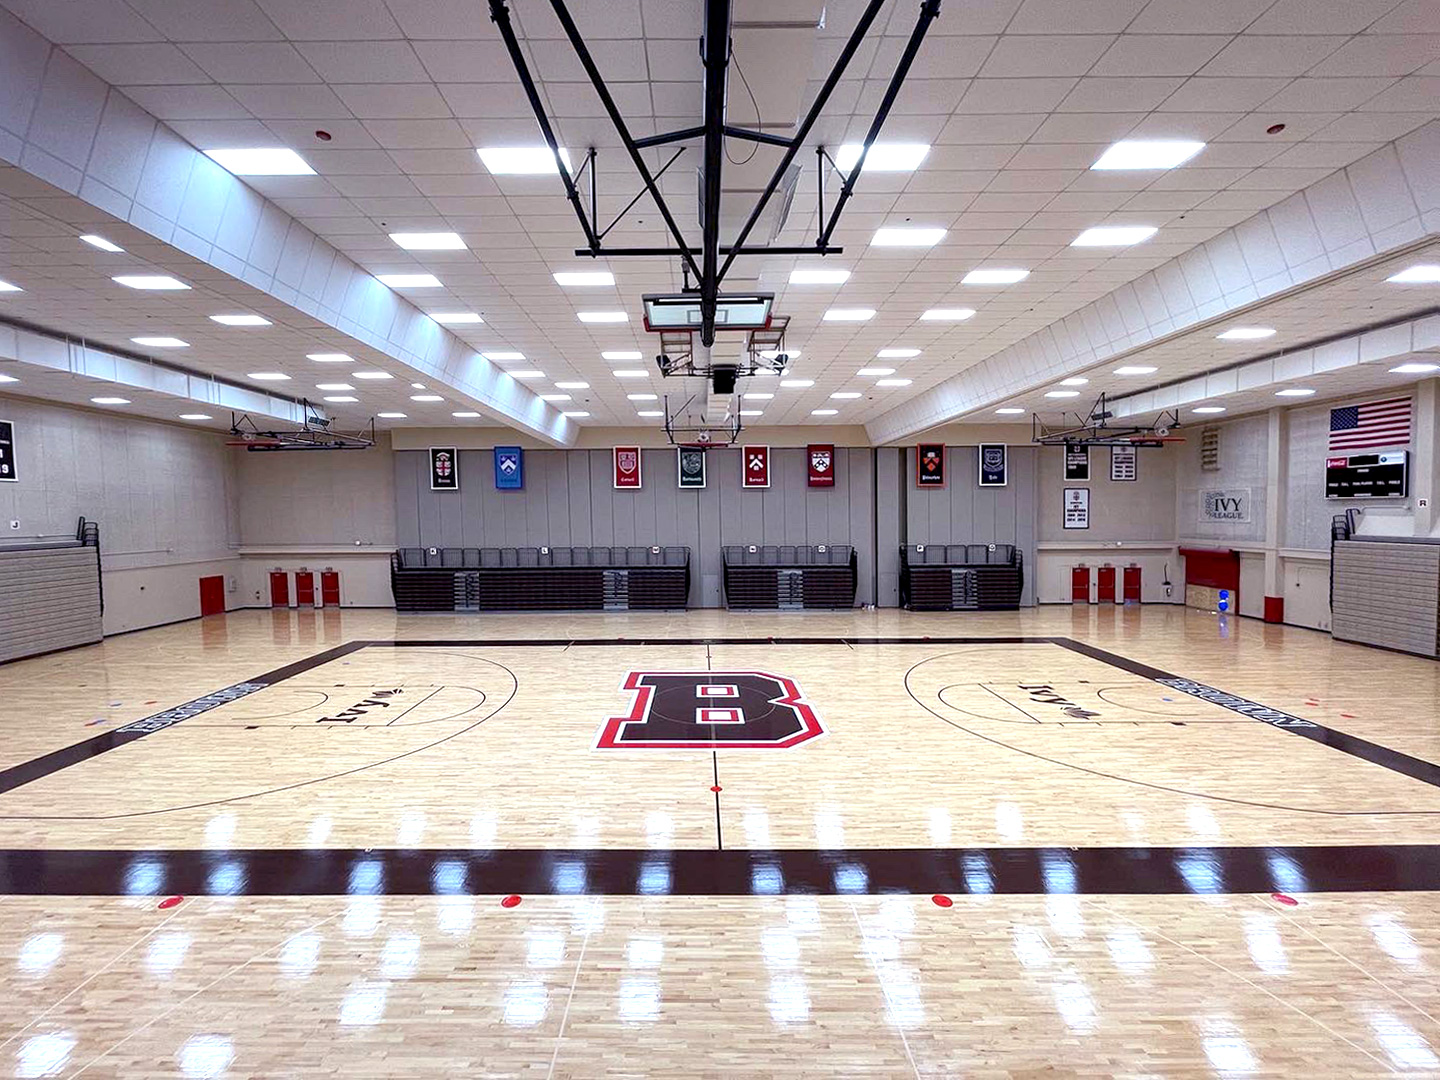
(927,745)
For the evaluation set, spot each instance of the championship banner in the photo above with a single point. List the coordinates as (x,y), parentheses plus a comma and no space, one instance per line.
(930,465)
(821,462)
(627,466)
(444,469)
(755,467)
(1122,463)
(690,466)
(1077,462)
(7,451)
(992,465)
(509,468)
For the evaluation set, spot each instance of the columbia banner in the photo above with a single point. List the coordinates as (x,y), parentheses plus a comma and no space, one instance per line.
(930,465)
(444,469)
(821,463)
(509,468)
(755,467)
(627,466)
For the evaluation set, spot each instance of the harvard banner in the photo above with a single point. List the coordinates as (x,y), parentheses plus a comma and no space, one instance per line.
(509,468)
(690,464)
(821,458)
(755,467)
(627,466)
(992,465)
(444,469)
(930,465)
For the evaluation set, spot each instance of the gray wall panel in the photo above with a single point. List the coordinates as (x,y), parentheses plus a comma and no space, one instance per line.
(889,478)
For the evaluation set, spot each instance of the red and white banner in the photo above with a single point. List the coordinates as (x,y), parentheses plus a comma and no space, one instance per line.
(820,460)
(755,466)
(627,466)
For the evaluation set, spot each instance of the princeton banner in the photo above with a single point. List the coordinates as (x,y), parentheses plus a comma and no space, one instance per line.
(627,467)
(755,467)
(930,465)
(444,469)
(690,466)
(820,459)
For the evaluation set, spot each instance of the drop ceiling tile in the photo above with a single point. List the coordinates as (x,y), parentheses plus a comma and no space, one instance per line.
(1093,94)
(1063,16)
(364,61)
(1026,56)
(1206,94)
(393,101)
(84,21)
(1254,55)
(444,20)
(207,20)
(332,20)
(1321,16)
(1015,95)
(155,64)
(303,102)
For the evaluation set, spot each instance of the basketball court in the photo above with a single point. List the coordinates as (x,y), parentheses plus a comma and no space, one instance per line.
(719,539)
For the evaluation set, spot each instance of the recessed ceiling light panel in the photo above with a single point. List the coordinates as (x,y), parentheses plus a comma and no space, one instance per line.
(583,279)
(261,161)
(948,314)
(161,342)
(429,241)
(883,157)
(1135,369)
(522,160)
(456,318)
(1423,274)
(897,354)
(1148,154)
(602,316)
(1114,236)
(240,320)
(849,314)
(152,282)
(994,277)
(103,244)
(1246,333)
(800,276)
(408,281)
(907,237)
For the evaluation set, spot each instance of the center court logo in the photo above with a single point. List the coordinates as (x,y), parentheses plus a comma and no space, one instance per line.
(710,710)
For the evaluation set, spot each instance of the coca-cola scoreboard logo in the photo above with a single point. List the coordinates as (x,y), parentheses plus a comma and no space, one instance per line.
(711,710)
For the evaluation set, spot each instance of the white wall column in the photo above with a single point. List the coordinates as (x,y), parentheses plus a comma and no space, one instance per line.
(1277,433)
(1425,462)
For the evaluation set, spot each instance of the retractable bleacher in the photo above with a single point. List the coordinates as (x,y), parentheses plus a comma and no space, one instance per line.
(789,577)
(540,579)
(50,593)
(961,577)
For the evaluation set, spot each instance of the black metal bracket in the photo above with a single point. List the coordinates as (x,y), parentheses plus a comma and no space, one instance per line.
(1095,429)
(707,271)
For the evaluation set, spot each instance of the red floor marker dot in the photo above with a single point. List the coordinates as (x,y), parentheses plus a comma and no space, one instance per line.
(510,901)
(715,787)
(1282,898)
(941,900)
(169,902)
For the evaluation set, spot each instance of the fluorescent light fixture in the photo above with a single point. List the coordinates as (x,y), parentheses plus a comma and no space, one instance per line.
(1294,391)
(994,277)
(875,372)
(1148,154)
(417,386)
(758,395)
(1247,333)
(330,357)
(572,385)
(819,277)
(522,160)
(883,157)
(269,376)
(1423,274)
(8,379)
(1114,236)
(1010,410)
(907,237)
(583,279)
(426,397)
(642,397)
(892,382)
(603,316)
(823,412)
(261,161)
(501,356)
(161,342)
(110,400)
(456,318)
(526,374)
(104,245)
(1207,410)
(1414,369)
(772,354)
(631,373)
(408,281)
(6,286)
(240,320)
(371,375)
(623,354)
(336,386)
(1135,369)
(846,395)
(649,414)
(576,414)
(897,354)
(429,241)
(948,314)
(849,314)
(1062,393)
(554,397)
(195,416)
(465,415)
(1077,380)
(153,282)
(797,384)
(752,412)
(340,399)
(391,415)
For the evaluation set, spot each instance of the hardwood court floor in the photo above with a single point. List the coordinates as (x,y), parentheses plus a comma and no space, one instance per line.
(1108,829)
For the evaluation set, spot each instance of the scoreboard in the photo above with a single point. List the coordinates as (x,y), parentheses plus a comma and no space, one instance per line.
(1368,476)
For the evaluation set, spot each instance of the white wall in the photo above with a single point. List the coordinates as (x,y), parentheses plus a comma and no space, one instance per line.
(1244,444)
(162,494)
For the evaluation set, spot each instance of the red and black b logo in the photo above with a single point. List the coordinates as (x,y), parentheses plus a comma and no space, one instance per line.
(709,710)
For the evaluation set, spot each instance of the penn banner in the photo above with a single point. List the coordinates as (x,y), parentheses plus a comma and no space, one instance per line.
(509,468)
(930,465)
(755,467)
(7,451)
(444,469)
(690,466)
(627,467)
(1077,463)
(992,464)
(821,463)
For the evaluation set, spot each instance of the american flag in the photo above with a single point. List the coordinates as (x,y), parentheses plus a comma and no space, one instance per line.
(1371,425)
